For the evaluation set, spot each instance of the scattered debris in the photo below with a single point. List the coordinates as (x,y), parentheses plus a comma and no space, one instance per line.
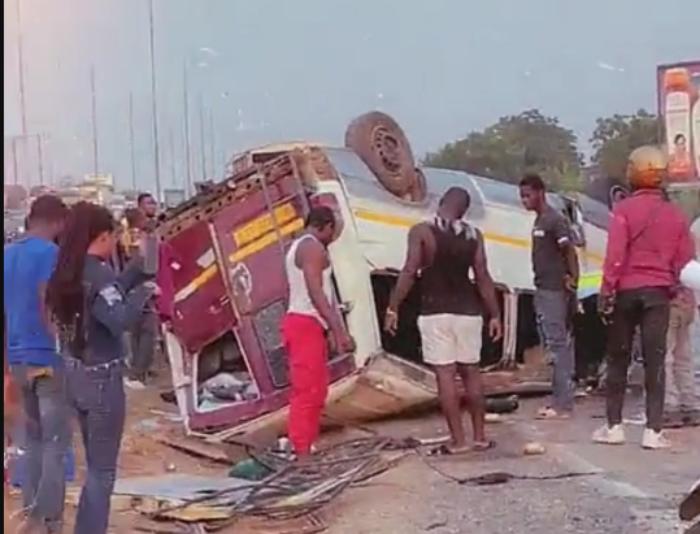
(289,489)
(534,448)
(196,448)
(500,405)
(147,426)
(492,418)
(250,469)
(690,507)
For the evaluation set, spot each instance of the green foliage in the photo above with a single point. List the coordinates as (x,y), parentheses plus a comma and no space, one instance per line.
(515,145)
(615,137)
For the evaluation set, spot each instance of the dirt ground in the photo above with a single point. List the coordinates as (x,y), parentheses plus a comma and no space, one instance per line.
(621,490)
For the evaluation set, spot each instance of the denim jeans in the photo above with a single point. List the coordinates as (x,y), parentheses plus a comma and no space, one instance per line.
(648,309)
(143,338)
(44,437)
(97,395)
(553,310)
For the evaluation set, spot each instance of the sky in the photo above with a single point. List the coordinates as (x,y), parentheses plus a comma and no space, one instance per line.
(275,70)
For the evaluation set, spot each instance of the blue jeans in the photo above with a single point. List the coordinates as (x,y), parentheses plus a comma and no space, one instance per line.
(97,395)
(44,435)
(553,309)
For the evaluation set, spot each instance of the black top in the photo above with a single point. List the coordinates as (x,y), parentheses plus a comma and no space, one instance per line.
(445,284)
(113,304)
(550,231)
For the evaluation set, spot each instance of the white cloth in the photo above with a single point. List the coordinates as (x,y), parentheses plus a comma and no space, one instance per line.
(690,276)
(299,299)
(448,338)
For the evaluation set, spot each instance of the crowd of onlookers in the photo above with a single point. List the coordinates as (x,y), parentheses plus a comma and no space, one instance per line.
(84,302)
(86,298)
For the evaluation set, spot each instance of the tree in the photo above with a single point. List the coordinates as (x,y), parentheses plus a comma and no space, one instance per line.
(528,142)
(615,137)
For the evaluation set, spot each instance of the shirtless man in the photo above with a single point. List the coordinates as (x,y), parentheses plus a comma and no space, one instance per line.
(442,253)
(310,314)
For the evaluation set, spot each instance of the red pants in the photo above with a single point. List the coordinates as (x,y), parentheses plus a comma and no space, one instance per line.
(305,341)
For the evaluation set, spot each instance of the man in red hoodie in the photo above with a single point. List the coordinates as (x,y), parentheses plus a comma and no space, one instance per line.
(649,243)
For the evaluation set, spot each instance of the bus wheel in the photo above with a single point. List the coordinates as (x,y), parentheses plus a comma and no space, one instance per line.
(381,143)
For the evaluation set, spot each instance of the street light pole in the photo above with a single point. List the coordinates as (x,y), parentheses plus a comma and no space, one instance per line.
(212,142)
(15,171)
(20,67)
(188,154)
(95,146)
(131,141)
(40,156)
(202,139)
(173,163)
(154,107)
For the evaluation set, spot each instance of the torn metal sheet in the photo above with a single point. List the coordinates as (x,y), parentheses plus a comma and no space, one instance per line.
(157,494)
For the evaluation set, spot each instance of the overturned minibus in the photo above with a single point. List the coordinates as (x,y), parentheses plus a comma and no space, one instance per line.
(227,359)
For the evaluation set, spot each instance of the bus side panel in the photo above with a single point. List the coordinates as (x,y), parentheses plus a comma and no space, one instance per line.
(202,307)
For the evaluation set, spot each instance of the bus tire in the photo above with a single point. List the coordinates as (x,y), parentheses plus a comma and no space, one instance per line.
(382,145)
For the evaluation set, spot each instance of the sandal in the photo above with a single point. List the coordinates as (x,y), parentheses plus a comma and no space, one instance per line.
(548,413)
(481,446)
(449,450)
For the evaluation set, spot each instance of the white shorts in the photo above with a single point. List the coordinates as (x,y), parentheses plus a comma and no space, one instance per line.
(449,338)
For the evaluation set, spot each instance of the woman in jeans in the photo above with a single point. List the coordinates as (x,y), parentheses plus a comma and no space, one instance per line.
(92,307)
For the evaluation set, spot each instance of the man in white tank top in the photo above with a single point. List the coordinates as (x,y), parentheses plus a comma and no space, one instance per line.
(310,313)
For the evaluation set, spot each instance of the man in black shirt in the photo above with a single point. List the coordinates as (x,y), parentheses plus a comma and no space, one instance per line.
(556,279)
(444,253)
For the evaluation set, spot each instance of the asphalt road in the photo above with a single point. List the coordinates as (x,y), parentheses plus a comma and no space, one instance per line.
(626,490)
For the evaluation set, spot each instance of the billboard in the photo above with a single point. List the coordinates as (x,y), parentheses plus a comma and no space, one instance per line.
(679,109)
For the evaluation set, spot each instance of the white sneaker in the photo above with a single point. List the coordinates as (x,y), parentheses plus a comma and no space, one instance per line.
(654,440)
(136,385)
(610,435)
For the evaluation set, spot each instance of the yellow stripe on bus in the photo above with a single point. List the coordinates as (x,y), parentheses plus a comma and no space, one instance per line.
(407,222)
(266,240)
(197,282)
(264,224)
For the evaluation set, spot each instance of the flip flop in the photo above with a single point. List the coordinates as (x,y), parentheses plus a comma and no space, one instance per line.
(551,414)
(447,450)
(481,446)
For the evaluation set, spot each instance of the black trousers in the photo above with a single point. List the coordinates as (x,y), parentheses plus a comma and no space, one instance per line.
(648,309)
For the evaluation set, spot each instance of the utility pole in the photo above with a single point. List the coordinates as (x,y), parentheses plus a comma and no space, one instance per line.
(15,171)
(40,157)
(212,143)
(188,154)
(173,171)
(132,146)
(95,147)
(22,97)
(154,107)
(20,66)
(201,135)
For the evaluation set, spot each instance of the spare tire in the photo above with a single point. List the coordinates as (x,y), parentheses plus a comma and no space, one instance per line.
(381,143)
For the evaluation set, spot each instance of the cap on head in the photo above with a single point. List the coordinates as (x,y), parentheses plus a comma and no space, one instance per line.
(647,167)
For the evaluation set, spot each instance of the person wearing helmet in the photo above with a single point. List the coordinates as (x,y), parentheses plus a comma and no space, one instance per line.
(649,243)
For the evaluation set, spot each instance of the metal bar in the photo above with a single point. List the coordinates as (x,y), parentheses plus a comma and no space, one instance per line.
(300,186)
(154,105)
(271,210)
